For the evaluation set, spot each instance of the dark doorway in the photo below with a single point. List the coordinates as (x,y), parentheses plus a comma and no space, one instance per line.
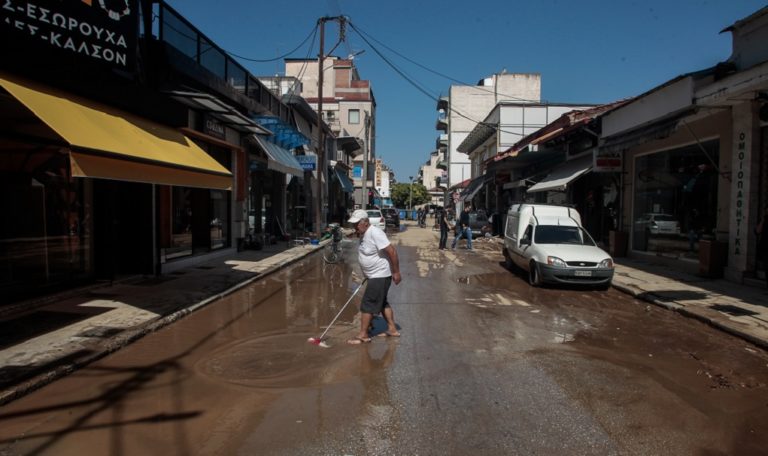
(122,228)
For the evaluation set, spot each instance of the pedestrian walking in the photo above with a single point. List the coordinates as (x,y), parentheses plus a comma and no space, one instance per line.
(381,266)
(423,219)
(463,229)
(445,226)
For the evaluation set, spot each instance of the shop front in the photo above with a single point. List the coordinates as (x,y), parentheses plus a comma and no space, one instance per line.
(340,194)
(275,204)
(195,221)
(674,205)
(80,180)
(678,208)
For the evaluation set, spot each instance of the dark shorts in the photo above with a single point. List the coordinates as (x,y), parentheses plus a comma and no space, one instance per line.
(375,296)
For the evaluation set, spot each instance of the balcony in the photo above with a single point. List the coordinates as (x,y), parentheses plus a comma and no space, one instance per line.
(442,103)
(442,141)
(442,164)
(195,56)
(442,123)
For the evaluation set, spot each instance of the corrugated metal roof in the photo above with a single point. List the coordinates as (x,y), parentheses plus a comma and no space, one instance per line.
(566,123)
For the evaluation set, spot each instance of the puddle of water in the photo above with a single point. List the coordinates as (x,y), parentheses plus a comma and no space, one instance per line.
(278,361)
(490,280)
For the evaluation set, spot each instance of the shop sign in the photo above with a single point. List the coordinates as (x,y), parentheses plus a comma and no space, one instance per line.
(741,148)
(606,162)
(99,30)
(214,128)
(357,172)
(307,162)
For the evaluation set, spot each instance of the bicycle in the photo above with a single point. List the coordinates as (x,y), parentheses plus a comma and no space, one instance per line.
(332,253)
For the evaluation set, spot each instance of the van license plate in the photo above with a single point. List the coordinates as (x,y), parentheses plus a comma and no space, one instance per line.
(582,273)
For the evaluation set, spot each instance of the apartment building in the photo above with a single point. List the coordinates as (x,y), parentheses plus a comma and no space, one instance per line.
(349,109)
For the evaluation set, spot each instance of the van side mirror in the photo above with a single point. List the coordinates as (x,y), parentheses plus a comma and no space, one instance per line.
(525,241)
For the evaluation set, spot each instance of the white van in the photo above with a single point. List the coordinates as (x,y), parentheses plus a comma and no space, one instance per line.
(550,244)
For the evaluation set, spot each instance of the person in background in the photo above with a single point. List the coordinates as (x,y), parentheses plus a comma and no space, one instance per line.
(445,226)
(381,266)
(463,229)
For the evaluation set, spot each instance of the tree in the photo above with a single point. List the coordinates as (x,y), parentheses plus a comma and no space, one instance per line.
(402,191)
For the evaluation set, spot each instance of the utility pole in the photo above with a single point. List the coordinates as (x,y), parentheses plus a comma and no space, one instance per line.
(318,206)
(410,195)
(365,163)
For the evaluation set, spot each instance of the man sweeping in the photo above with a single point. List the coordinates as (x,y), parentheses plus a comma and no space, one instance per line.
(380,265)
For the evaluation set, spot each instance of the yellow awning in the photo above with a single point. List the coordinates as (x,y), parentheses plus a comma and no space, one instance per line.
(113,144)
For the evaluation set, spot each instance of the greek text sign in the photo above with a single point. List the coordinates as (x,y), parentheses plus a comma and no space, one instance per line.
(307,162)
(606,162)
(99,30)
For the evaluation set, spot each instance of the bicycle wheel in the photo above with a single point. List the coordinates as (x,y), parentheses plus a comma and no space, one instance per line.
(331,254)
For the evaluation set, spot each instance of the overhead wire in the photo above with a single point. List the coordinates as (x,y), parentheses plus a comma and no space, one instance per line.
(303,69)
(311,34)
(424,91)
(443,75)
(402,73)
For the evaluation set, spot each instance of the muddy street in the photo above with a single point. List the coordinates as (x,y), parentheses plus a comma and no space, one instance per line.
(485,365)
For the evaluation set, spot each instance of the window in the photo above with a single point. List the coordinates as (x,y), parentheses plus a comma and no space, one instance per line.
(354,116)
(675,200)
(528,234)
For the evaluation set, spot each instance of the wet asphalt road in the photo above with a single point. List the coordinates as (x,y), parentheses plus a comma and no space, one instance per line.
(486,365)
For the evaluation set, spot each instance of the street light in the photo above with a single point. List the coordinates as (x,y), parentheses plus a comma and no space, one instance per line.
(410,195)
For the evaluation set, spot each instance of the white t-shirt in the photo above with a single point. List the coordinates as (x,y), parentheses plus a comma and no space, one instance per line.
(373,262)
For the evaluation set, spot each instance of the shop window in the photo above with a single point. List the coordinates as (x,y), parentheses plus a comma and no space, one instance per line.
(181,223)
(45,231)
(675,200)
(219,219)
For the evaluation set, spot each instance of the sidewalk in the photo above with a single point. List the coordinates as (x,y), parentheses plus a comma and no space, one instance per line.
(55,336)
(741,310)
(71,330)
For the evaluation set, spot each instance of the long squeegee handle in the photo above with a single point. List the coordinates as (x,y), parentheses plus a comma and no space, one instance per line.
(343,307)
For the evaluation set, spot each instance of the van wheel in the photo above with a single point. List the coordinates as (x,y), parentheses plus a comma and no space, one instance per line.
(534,277)
(508,263)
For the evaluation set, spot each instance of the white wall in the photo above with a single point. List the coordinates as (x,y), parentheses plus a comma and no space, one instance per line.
(653,106)
(470,105)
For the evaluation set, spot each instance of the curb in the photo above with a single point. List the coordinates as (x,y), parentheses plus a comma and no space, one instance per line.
(683,310)
(128,336)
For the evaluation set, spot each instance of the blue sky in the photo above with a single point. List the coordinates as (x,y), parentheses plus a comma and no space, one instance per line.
(589,51)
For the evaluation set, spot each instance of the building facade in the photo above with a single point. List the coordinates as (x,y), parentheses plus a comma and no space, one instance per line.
(503,128)
(133,162)
(694,162)
(349,108)
(465,107)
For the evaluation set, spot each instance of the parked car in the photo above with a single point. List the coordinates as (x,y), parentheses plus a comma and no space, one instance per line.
(391,216)
(656,224)
(376,218)
(550,243)
(477,221)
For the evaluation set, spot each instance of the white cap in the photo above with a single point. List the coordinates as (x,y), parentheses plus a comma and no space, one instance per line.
(358,215)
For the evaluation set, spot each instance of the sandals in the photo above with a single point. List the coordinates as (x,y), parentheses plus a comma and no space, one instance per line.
(387,334)
(359,341)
